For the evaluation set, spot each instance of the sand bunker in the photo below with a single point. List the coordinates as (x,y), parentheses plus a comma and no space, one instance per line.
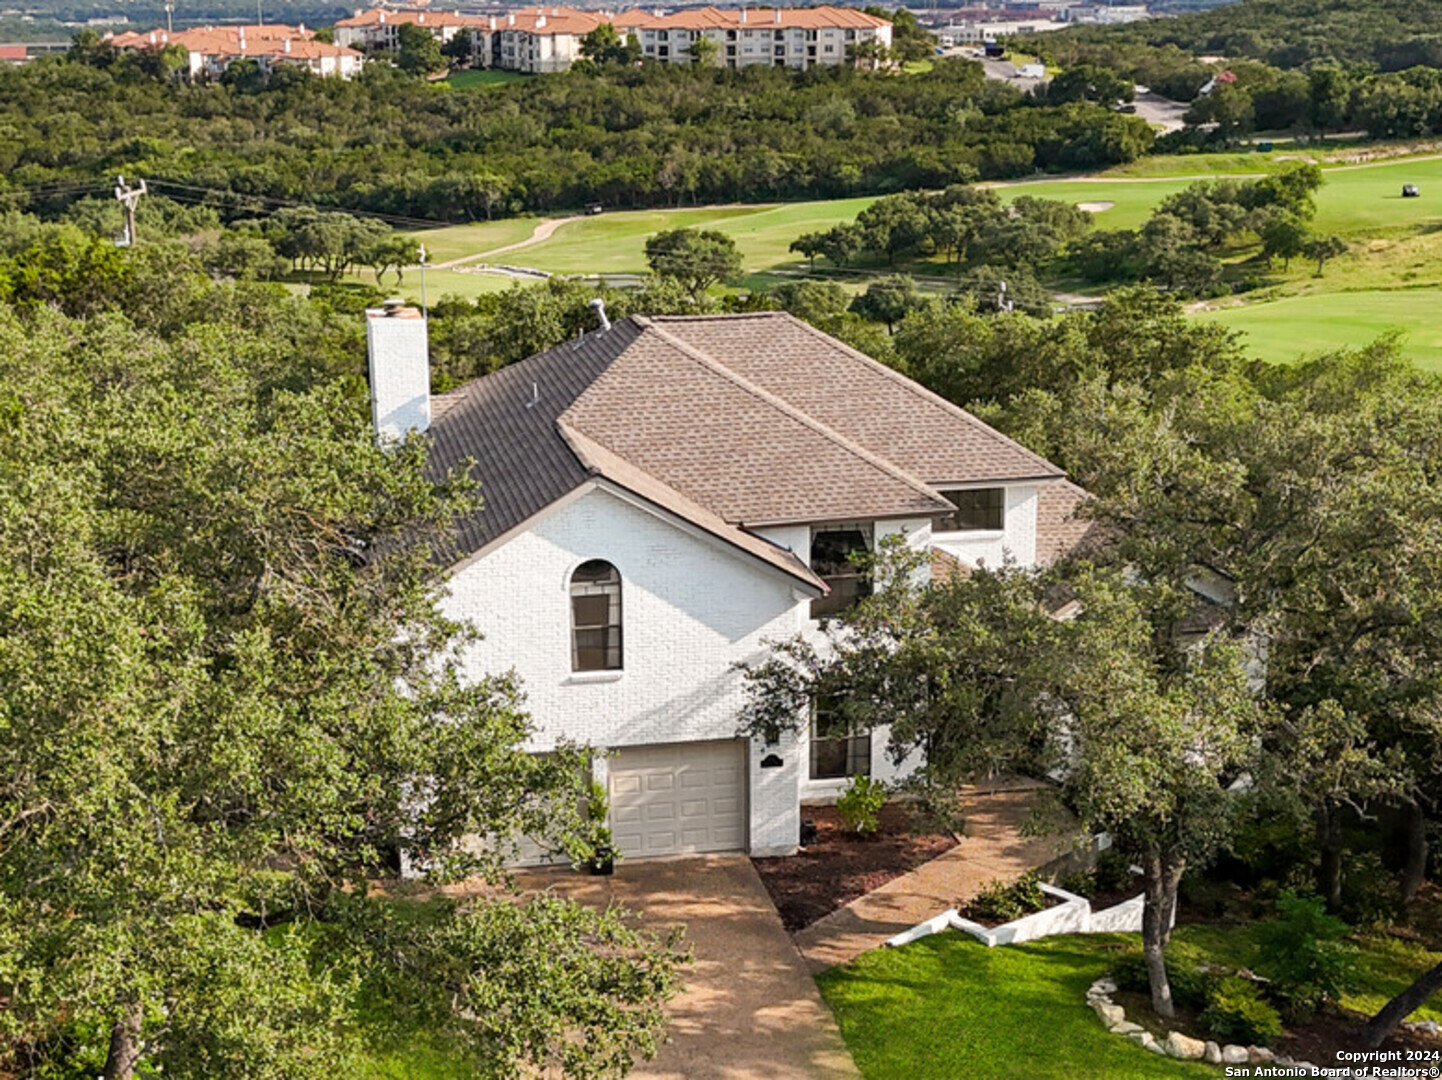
(1094,207)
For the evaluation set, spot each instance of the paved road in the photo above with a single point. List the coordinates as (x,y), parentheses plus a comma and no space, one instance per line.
(1159,111)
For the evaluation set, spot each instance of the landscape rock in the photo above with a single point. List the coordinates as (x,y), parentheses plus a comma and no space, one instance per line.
(1260,1055)
(1105,986)
(1234,1055)
(1156,1047)
(1212,1054)
(1423,1027)
(1184,1047)
(1111,1014)
(1126,1027)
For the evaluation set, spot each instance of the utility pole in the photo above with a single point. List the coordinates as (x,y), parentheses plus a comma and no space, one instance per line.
(169,20)
(128,197)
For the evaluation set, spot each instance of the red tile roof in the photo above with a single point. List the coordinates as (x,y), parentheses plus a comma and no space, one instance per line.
(270,40)
(813,18)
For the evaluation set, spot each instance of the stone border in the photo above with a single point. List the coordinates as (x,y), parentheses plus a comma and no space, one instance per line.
(1176,1045)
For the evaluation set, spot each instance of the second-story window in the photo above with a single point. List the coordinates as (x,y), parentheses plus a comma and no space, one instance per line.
(596,617)
(981,509)
(831,560)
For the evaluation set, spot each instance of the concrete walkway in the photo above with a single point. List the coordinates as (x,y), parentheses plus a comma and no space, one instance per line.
(750,1010)
(993,846)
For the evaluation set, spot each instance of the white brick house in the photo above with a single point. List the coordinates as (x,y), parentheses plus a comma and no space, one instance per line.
(664,497)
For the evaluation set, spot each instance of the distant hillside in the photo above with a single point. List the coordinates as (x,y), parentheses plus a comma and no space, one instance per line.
(1393,34)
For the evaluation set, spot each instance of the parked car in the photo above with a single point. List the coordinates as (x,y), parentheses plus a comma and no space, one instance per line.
(594,208)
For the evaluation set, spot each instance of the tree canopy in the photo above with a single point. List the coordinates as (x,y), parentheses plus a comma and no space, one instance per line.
(230,703)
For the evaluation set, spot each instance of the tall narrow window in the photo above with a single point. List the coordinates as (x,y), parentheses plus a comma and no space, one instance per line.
(831,552)
(837,753)
(596,617)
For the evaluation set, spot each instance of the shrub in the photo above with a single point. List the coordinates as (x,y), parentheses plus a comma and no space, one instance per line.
(1114,872)
(1003,901)
(1192,985)
(860,805)
(1369,890)
(1236,1013)
(1303,953)
(1081,882)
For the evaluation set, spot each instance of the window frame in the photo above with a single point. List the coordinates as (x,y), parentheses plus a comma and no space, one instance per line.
(837,601)
(995,503)
(855,749)
(611,648)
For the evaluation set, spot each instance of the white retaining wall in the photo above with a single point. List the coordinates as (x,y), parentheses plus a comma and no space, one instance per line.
(1073,915)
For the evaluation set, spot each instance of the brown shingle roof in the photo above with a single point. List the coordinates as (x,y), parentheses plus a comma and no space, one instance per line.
(720,439)
(1059,528)
(730,422)
(848,391)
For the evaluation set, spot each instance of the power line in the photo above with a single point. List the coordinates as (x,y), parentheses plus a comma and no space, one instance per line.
(226,195)
(198,194)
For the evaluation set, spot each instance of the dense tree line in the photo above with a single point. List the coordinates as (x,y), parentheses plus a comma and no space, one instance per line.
(1390,34)
(656,135)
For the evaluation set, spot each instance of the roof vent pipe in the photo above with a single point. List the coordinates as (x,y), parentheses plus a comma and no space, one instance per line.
(599,307)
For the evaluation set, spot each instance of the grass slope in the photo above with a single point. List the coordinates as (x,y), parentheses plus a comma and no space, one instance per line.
(948,1007)
(1287,329)
(466,80)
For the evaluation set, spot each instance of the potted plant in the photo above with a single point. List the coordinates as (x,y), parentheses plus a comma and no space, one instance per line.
(602,859)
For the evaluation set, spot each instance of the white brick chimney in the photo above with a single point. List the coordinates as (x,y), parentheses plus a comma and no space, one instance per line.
(400,371)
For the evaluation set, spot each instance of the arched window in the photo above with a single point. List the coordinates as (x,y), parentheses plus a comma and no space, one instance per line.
(596,617)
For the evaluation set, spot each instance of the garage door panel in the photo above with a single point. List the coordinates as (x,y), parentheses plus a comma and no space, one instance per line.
(679,799)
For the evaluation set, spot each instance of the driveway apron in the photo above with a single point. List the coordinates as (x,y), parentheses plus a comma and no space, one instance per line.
(750,1009)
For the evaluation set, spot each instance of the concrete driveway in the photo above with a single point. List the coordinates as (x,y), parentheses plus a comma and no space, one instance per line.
(750,1010)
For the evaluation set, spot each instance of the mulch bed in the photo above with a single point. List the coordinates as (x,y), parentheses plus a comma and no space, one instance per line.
(840,866)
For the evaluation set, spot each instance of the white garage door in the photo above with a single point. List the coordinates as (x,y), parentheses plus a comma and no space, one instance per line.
(679,799)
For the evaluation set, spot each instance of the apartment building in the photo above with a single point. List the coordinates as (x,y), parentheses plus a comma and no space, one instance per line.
(543,39)
(377,29)
(777,37)
(534,39)
(210,50)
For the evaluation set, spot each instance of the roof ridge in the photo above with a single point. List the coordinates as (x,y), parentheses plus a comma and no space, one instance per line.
(785,407)
(929,396)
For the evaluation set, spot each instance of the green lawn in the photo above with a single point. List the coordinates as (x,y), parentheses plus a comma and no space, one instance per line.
(948,1007)
(464,80)
(1390,280)
(614,242)
(1284,330)
(460,241)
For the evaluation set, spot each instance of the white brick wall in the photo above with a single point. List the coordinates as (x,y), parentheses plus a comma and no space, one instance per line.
(1017,538)
(691,608)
